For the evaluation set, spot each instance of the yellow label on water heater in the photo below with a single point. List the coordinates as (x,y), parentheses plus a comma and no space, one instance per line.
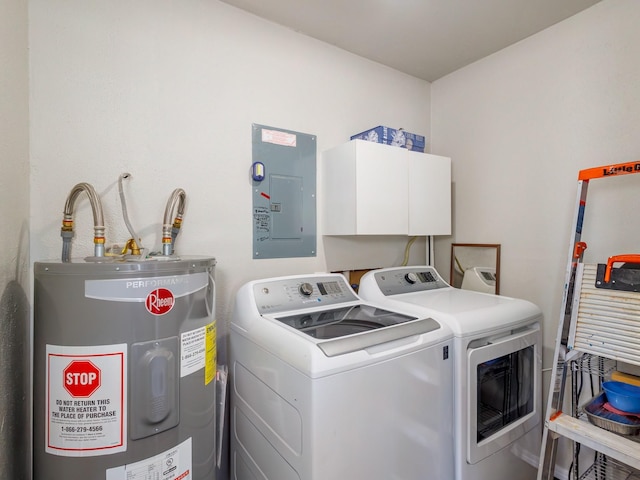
(211,353)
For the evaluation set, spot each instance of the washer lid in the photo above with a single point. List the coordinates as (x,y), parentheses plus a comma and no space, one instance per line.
(349,329)
(343,321)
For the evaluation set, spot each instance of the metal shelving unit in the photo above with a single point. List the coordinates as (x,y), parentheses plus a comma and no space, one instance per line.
(606,468)
(599,326)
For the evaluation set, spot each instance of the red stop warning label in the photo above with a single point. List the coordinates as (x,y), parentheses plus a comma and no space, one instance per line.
(81,378)
(160,301)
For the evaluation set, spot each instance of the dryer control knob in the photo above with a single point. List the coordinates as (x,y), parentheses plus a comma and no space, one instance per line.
(306,289)
(411,277)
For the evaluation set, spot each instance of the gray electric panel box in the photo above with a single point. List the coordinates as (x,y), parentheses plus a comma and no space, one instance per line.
(283,176)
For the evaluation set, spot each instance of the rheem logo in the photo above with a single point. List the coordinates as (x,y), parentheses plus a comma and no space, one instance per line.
(160,301)
(81,378)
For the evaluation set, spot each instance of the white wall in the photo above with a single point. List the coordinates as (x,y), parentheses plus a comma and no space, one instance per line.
(14,254)
(168,91)
(519,126)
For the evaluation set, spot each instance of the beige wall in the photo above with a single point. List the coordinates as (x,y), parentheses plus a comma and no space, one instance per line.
(14,254)
(519,125)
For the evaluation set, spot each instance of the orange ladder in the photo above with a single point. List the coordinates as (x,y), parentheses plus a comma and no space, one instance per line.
(614,448)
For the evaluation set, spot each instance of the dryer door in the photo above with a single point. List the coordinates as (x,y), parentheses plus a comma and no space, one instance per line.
(503,391)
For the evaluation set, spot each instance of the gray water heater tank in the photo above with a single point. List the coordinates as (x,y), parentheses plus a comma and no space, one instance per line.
(124,370)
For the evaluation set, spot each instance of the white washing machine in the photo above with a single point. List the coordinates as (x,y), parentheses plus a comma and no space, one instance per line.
(325,386)
(498,367)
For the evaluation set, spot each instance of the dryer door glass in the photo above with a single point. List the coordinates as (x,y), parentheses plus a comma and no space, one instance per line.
(503,391)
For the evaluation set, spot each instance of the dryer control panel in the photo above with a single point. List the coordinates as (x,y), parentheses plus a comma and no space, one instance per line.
(409,279)
(296,293)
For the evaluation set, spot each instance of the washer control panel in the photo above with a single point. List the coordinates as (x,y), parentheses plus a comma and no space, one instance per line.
(296,293)
(409,279)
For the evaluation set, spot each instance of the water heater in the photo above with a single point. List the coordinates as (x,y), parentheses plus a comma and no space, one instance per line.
(124,369)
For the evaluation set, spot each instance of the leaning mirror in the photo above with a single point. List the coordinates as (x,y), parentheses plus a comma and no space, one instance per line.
(475,266)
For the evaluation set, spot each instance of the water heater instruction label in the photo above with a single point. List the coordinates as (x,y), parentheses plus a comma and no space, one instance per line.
(86,390)
(198,350)
(174,464)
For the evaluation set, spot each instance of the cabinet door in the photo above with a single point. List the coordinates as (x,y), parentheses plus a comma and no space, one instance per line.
(381,189)
(429,194)
(338,197)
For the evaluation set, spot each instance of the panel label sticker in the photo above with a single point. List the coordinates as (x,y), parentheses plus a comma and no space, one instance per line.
(86,389)
(279,138)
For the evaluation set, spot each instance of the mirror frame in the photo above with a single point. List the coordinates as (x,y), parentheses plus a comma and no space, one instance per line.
(495,246)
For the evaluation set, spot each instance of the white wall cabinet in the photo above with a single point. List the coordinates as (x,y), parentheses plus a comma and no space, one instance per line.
(374,189)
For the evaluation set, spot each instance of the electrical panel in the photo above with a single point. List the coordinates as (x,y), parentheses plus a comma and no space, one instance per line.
(283,176)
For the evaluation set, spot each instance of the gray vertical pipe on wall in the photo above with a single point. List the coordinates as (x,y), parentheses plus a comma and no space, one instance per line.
(85,311)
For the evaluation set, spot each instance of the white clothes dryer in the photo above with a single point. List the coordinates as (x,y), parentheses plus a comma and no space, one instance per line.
(498,367)
(326,386)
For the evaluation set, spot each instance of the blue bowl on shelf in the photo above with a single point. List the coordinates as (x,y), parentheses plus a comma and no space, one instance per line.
(623,396)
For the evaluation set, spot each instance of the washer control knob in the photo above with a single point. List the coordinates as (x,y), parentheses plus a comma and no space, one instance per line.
(411,277)
(306,289)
